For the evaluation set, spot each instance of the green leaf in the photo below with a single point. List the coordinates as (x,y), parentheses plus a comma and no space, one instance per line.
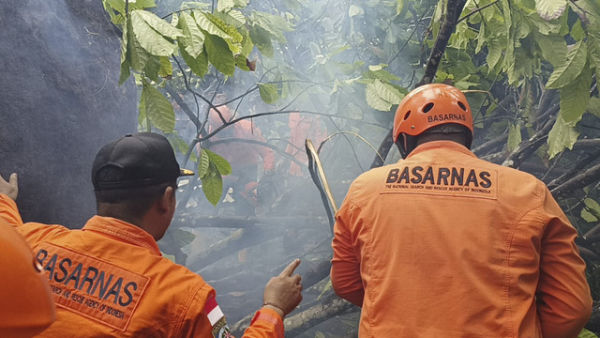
(374,100)
(198,65)
(586,334)
(399,6)
(193,38)
(269,92)
(550,9)
(382,75)
(152,67)
(593,206)
(574,97)
(355,11)
(571,68)
(215,26)
(594,50)
(563,135)
(273,24)
(262,40)
(553,47)
(219,162)
(159,25)
(136,54)
(588,217)
(386,93)
(203,163)
(158,108)
(495,49)
(182,237)
(247,44)
(225,5)
(150,32)
(514,137)
(545,27)
(241,3)
(237,17)
(242,62)
(125,55)
(577,31)
(219,54)
(125,74)
(594,106)
(212,185)
(166,68)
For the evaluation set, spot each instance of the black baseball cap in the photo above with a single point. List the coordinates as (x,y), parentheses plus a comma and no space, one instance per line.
(136,160)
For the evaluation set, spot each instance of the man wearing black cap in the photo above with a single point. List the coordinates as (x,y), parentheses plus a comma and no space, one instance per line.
(109,278)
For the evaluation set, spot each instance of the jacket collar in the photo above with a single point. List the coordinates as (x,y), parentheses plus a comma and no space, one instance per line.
(122,231)
(445,145)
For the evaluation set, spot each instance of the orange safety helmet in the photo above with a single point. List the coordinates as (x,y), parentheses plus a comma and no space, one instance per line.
(431,105)
(26,307)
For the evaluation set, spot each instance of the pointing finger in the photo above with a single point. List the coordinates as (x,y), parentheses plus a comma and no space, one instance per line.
(289,270)
(13,180)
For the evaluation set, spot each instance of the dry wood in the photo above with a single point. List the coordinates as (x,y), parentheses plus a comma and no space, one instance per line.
(589,176)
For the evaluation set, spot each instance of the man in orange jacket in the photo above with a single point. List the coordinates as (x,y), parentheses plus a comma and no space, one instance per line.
(443,244)
(109,278)
(26,306)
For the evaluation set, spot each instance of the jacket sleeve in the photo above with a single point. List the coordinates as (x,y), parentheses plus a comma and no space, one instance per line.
(9,211)
(345,265)
(563,294)
(266,323)
(204,318)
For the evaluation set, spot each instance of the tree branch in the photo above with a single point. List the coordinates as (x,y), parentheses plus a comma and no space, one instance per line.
(526,148)
(317,314)
(453,10)
(587,177)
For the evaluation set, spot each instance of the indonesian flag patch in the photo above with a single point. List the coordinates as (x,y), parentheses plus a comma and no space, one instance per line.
(216,318)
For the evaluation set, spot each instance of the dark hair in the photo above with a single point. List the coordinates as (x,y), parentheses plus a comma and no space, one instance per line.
(130,203)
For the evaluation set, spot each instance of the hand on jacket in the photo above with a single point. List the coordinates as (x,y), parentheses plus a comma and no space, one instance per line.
(284,292)
(10,188)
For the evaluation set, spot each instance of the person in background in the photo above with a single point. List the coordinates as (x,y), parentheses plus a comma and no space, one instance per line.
(249,161)
(110,279)
(26,306)
(443,244)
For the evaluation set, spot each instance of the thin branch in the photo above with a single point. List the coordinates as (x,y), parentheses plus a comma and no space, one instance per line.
(218,129)
(259,143)
(587,177)
(356,157)
(526,148)
(476,11)
(357,135)
(409,38)
(196,94)
(578,167)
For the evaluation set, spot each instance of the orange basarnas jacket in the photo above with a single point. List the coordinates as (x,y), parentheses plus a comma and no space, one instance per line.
(443,244)
(109,279)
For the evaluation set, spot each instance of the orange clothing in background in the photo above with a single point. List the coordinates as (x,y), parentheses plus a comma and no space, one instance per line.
(303,127)
(26,306)
(240,154)
(110,279)
(443,244)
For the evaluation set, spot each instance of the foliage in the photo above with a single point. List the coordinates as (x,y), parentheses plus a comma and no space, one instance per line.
(586,334)
(222,39)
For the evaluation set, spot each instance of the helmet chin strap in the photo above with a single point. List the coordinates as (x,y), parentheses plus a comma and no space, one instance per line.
(406,144)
